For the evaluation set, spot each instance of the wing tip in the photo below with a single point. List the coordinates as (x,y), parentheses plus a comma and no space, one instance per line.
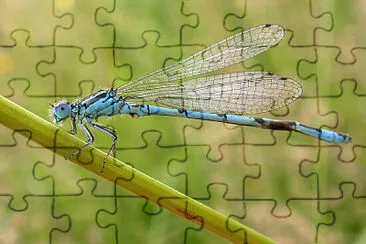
(276,26)
(277,31)
(297,88)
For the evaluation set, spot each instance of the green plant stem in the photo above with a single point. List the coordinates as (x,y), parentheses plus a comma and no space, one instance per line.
(49,136)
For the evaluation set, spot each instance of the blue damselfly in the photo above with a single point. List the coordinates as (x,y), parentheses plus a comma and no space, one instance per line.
(185,90)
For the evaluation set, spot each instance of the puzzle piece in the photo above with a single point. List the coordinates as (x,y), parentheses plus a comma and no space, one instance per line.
(69,71)
(344,229)
(19,155)
(82,210)
(344,34)
(29,16)
(86,34)
(198,171)
(331,172)
(279,177)
(153,158)
(330,72)
(36,223)
(143,17)
(304,220)
(158,224)
(22,61)
(210,18)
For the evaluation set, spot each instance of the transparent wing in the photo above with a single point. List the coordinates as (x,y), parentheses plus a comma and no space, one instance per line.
(232,93)
(227,52)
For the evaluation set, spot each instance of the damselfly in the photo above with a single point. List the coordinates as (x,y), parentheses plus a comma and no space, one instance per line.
(184,90)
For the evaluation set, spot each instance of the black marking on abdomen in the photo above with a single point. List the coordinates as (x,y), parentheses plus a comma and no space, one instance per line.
(276,125)
(224,116)
(312,128)
(182,110)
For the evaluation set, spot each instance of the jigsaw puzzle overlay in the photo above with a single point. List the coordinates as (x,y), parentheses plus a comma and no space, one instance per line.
(290,187)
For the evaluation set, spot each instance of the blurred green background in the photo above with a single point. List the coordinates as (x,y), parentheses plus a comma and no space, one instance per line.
(289,187)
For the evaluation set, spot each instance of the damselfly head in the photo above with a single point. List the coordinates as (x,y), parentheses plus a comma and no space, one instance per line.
(60,111)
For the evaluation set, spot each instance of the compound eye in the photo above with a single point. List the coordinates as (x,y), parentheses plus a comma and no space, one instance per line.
(61,110)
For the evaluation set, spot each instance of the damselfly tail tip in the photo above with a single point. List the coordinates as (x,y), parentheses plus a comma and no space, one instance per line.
(340,138)
(347,138)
